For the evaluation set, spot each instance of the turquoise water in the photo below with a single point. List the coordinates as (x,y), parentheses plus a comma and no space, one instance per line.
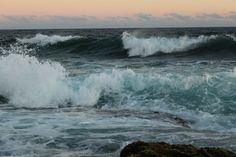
(91,92)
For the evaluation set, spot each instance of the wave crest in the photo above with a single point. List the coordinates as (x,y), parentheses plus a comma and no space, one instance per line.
(106,83)
(43,40)
(149,46)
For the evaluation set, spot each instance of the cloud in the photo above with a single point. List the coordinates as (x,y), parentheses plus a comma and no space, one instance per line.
(210,16)
(123,18)
(177,16)
(232,15)
(136,20)
(143,16)
(45,21)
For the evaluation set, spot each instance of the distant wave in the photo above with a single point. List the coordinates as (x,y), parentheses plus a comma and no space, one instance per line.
(43,40)
(149,46)
(232,36)
(129,45)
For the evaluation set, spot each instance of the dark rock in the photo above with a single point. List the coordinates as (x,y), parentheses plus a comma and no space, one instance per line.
(156,149)
(3,100)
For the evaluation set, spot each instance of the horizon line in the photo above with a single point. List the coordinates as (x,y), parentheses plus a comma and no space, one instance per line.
(168,27)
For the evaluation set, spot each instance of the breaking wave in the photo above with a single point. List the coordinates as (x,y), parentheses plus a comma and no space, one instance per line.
(232,36)
(27,82)
(149,46)
(43,40)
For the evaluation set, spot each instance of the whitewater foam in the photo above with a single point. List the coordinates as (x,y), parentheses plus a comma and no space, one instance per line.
(96,85)
(149,46)
(28,82)
(231,36)
(43,40)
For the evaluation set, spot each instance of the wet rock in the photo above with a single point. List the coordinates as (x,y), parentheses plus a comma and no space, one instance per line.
(156,149)
(165,117)
(3,100)
(174,119)
(108,148)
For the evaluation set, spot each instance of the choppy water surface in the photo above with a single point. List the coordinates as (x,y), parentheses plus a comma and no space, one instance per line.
(91,92)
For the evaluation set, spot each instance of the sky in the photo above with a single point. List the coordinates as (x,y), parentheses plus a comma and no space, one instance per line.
(31,14)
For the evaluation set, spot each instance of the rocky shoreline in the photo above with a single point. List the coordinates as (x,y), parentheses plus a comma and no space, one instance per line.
(161,149)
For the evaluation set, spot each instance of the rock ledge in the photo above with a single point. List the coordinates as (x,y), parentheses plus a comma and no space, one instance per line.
(161,149)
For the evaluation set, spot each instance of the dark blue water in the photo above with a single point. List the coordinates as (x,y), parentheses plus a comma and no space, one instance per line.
(91,92)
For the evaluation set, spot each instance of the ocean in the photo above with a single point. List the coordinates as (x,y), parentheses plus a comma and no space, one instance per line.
(90,92)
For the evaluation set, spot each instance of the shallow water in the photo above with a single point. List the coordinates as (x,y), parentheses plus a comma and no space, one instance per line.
(91,92)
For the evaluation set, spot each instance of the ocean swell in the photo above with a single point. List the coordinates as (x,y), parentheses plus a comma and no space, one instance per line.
(129,45)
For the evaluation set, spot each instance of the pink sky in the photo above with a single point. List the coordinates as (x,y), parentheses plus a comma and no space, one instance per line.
(103,8)
(116,13)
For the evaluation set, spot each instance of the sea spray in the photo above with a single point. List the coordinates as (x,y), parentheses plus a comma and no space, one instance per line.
(30,83)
